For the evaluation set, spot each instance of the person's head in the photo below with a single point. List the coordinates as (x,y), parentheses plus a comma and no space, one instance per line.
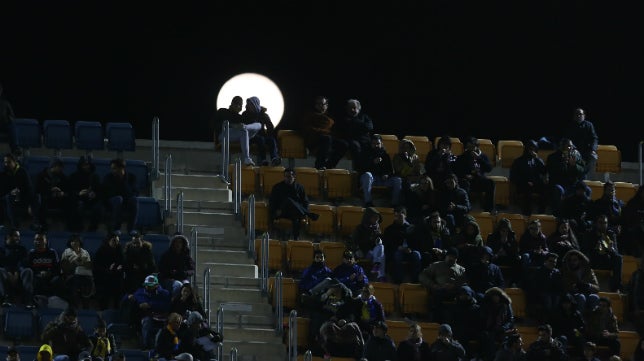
(551,260)
(376,141)
(185,356)
(380,329)
(444,143)
(253,105)
(174,321)
(579,115)
(601,222)
(471,144)
(13,236)
(101,327)
(504,226)
(353,107)
(366,292)
(179,243)
(534,227)
(415,332)
(318,256)
(13,354)
(117,167)
(544,331)
(451,181)
(609,189)
(514,341)
(531,148)
(236,104)
(85,164)
(45,353)
(10,161)
(187,292)
(348,257)
(445,330)
(568,302)
(486,255)
(400,214)
(573,261)
(56,166)
(321,104)
(69,317)
(563,226)
(435,221)
(425,183)
(604,304)
(289,176)
(75,242)
(151,283)
(137,238)
(40,240)
(451,256)
(566,145)
(113,239)
(580,189)
(589,349)
(194,319)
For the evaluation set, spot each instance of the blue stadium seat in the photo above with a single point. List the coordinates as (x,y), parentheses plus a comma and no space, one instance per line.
(34,165)
(57,134)
(19,324)
(140,170)
(28,352)
(92,241)
(89,136)
(58,240)
(45,316)
(148,214)
(102,167)
(70,165)
(160,243)
(27,133)
(120,137)
(87,319)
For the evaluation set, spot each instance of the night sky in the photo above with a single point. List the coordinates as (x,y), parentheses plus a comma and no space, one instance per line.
(490,69)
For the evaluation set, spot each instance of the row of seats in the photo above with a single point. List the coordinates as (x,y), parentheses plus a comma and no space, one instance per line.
(85,135)
(504,152)
(29,353)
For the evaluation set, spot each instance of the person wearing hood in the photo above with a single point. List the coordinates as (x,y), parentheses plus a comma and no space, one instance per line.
(483,274)
(66,336)
(579,279)
(497,320)
(469,242)
(528,174)
(317,272)
(85,190)
(45,353)
(366,241)
(238,131)
(407,164)
(466,308)
(505,247)
(176,265)
(380,346)
(563,239)
(52,185)
(265,138)
(375,169)
(446,347)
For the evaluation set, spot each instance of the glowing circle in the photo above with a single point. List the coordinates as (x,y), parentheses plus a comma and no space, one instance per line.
(252,84)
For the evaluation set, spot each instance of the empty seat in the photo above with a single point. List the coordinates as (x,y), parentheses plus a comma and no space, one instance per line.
(414,299)
(18,324)
(310,179)
(629,341)
(508,151)
(325,224)
(120,137)
(397,330)
(349,217)
(249,179)
(338,183)
(268,177)
(160,244)
(290,292)
(385,292)
(89,136)
(27,133)
(518,297)
(148,214)
(57,134)
(629,265)
(141,172)
(261,216)
(291,145)
(596,189)
(299,255)
(134,354)
(390,143)
(609,159)
(333,253)
(486,222)
(275,254)
(502,192)
(487,147)
(625,191)
(423,145)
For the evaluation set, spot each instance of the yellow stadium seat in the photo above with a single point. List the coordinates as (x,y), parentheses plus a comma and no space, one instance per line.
(508,151)
(629,265)
(275,254)
(290,292)
(629,340)
(518,297)
(414,299)
(390,143)
(397,330)
(423,145)
(430,331)
(338,183)
(349,217)
(548,223)
(529,334)
(325,225)
(299,255)
(303,325)
(291,145)
(502,193)
(596,188)
(261,216)
(248,178)
(268,177)
(310,178)
(517,221)
(333,253)
(387,217)
(486,222)
(625,191)
(609,159)
(617,303)
(385,292)
(487,147)
(457,146)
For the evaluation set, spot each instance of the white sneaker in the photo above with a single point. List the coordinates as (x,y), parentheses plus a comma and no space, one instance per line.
(249,162)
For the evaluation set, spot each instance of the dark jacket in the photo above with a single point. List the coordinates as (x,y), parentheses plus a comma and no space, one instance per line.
(66,339)
(583,136)
(380,349)
(414,350)
(19,178)
(446,351)
(114,186)
(177,266)
(365,162)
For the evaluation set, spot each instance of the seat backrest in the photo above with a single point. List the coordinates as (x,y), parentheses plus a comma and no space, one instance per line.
(414,298)
(423,145)
(87,319)
(509,150)
(385,292)
(310,178)
(148,214)
(596,188)
(625,191)
(333,253)
(390,143)
(27,133)
(291,144)
(141,172)
(57,134)
(34,165)
(268,177)
(299,255)
(326,223)
(609,159)
(349,217)
(337,183)
(120,137)
(160,244)
(486,222)
(18,324)
(89,135)
(487,147)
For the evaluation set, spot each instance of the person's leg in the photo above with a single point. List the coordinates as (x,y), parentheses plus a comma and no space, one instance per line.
(147,324)
(395,183)
(556,197)
(366,182)
(323,151)
(131,208)
(378,256)
(616,261)
(260,140)
(27,279)
(116,206)
(415,265)
(338,148)
(489,187)
(398,271)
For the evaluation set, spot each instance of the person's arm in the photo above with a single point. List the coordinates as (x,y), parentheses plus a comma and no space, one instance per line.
(484,161)
(463,204)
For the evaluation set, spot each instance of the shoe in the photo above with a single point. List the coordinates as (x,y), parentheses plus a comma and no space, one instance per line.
(376,268)
(314,216)
(276,161)
(264,163)
(249,162)
(368,204)
(7,304)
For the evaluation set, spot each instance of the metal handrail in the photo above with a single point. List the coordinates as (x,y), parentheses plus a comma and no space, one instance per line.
(155,149)
(308,355)
(167,196)
(279,308)
(220,330)
(233,354)
(180,212)
(206,293)
(639,151)
(225,150)
(194,250)
(251,225)
(292,336)
(264,256)
(237,187)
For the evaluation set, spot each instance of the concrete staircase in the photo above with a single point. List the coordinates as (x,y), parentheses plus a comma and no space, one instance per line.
(249,322)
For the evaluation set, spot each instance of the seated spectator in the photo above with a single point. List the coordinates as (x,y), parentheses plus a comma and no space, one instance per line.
(505,249)
(469,242)
(414,347)
(16,278)
(196,338)
(565,169)
(633,224)
(45,265)
(443,280)
(317,272)
(341,338)
(366,242)
(66,336)
(398,247)
(545,288)
(453,203)
(289,200)
(316,129)
(563,239)
(176,265)
(331,300)
(533,246)
(265,137)
(446,347)
(109,272)
(148,307)
(420,199)
(636,294)
(355,128)
(602,327)
(85,191)
(138,260)
(167,341)
(497,320)
(120,192)
(407,164)
(103,343)
(465,310)
(53,191)
(546,348)
(238,131)
(590,350)
(439,163)
(186,301)
(369,310)
(579,280)
(375,169)
(350,273)
(528,174)
(601,247)
(379,347)
(431,238)
(16,191)
(582,134)
(512,349)
(569,323)
(577,208)
(483,274)
(610,206)
(471,168)
(76,271)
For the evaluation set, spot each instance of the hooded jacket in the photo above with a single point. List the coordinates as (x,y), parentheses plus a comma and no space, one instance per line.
(408,165)
(584,278)
(365,235)
(45,348)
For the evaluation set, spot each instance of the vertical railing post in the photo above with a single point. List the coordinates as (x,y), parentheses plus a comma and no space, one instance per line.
(292,336)
(225,150)
(180,213)
(639,157)
(155,149)
(279,309)
(251,225)
(206,294)
(237,186)
(264,256)
(194,249)
(220,330)
(308,355)
(233,354)
(167,196)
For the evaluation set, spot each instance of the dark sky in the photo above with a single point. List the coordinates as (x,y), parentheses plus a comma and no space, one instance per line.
(499,71)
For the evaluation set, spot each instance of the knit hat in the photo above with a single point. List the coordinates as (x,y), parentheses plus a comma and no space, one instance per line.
(445,329)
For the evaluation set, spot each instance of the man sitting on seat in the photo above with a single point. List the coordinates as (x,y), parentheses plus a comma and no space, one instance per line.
(288,200)
(120,193)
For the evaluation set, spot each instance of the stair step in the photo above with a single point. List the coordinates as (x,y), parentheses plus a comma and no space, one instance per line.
(223,256)
(208,218)
(207,194)
(194,180)
(250,333)
(236,295)
(232,282)
(255,350)
(231,269)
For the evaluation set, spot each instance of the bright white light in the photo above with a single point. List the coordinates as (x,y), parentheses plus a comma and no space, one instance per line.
(252,84)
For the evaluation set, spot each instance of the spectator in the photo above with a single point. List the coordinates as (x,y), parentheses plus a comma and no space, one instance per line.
(505,248)
(13,354)
(565,168)
(288,200)
(16,277)
(583,135)
(431,238)
(414,347)
(109,272)
(187,301)
(52,188)
(601,247)
(610,206)
(546,348)
(331,300)
(238,131)
(139,260)
(568,322)
(471,168)
(316,129)
(16,191)
(45,265)
(577,208)
(176,265)
(196,338)
(407,164)
(446,347)
(528,174)
(45,353)
(350,273)
(149,307)
(76,267)
(103,343)
(420,200)
(355,128)
(483,274)
(497,320)
(469,242)
(590,350)
(453,203)
(167,341)
(466,310)
(380,347)
(633,224)
(85,191)
(366,242)
(533,246)
(375,169)
(265,135)
(439,163)
(399,247)
(602,327)
(512,349)
(341,338)
(66,336)
(579,280)
(120,194)
(563,239)
(369,310)
(443,280)
(317,272)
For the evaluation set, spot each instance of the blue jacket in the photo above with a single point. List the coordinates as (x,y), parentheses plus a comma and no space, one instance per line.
(343,273)
(159,300)
(313,275)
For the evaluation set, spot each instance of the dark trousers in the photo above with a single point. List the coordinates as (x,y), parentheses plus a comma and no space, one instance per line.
(330,151)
